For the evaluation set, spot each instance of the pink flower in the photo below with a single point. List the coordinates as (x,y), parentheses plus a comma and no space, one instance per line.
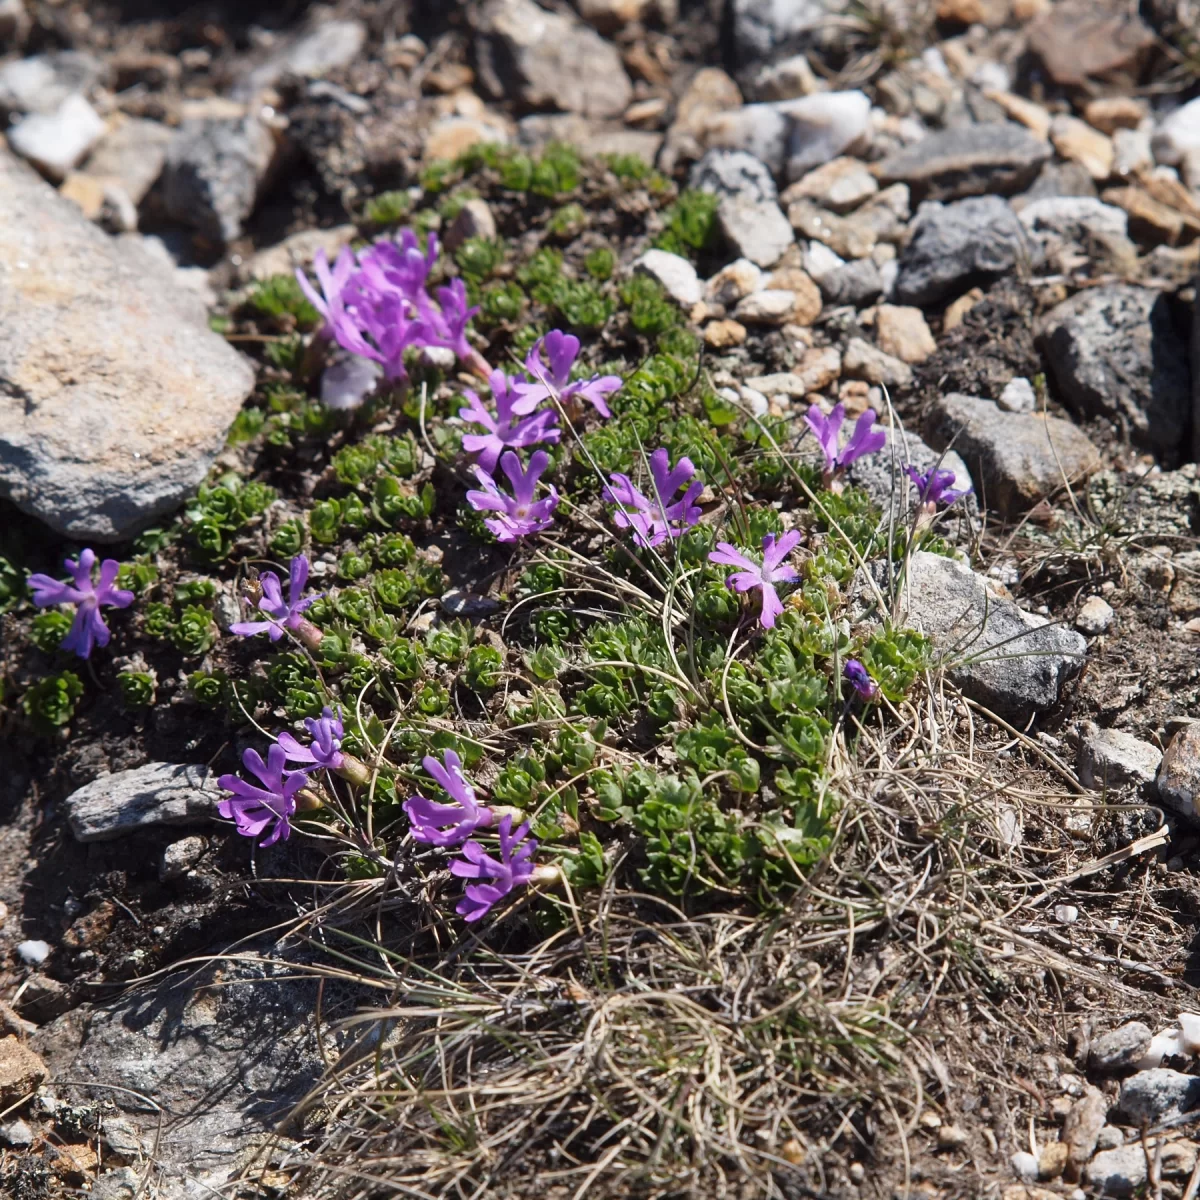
(252,808)
(508,428)
(512,869)
(654,519)
(860,679)
(773,570)
(280,616)
(446,824)
(864,440)
(326,732)
(554,376)
(520,514)
(88,629)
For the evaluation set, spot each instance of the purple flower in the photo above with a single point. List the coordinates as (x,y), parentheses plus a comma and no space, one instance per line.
(513,868)
(520,515)
(935,487)
(446,824)
(561,350)
(653,519)
(88,629)
(330,301)
(773,570)
(864,439)
(859,679)
(254,808)
(446,325)
(280,616)
(326,749)
(508,428)
(401,267)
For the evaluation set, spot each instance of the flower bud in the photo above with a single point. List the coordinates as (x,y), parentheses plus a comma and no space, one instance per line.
(354,770)
(500,811)
(307,800)
(310,636)
(546,874)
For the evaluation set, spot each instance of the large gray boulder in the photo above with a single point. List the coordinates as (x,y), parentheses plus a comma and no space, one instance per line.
(113,401)
(146,797)
(1009,660)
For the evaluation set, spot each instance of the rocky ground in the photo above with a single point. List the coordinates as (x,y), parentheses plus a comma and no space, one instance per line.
(980,218)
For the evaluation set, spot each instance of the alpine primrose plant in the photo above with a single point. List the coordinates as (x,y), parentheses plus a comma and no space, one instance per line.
(655,518)
(514,423)
(253,809)
(88,630)
(864,440)
(519,515)
(774,569)
(283,616)
(553,377)
(446,825)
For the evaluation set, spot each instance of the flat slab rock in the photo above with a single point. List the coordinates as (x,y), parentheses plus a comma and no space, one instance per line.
(1009,660)
(154,795)
(113,400)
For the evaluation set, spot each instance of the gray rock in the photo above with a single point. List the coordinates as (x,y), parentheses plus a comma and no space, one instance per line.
(1016,459)
(33,952)
(548,61)
(132,154)
(474,220)
(858,283)
(146,797)
(97,454)
(1058,181)
(213,173)
(882,475)
(1095,616)
(764,28)
(1178,134)
(1111,758)
(1119,1172)
(732,173)
(1013,662)
(1179,774)
(348,381)
(220,1063)
(823,126)
(16,1134)
(57,141)
(1018,396)
(1024,1166)
(1114,352)
(861,360)
(324,47)
(1120,1048)
(756,229)
(677,276)
(955,247)
(1073,218)
(996,158)
(180,857)
(1150,1097)
(122,1184)
(41,83)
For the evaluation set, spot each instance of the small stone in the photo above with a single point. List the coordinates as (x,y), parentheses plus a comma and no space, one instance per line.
(33,952)
(16,1134)
(180,857)
(954,246)
(1073,218)
(997,158)
(857,283)
(1078,142)
(15,23)
(146,797)
(756,229)
(1114,351)
(840,185)
(1024,1166)
(677,276)
(297,250)
(1066,914)
(732,173)
(808,295)
(951,1137)
(449,137)
(1131,152)
(214,169)
(528,54)
(610,16)
(724,335)
(348,380)
(1177,134)
(861,360)
(710,91)
(1081,1129)
(1018,396)
(952,318)
(762,27)
(846,238)
(460,603)
(1119,1172)
(786,80)
(42,82)
(1150,1097)
(1179,774)
(1189,1028)
(1095,616)
(1080,39)
(902,332)
(823,126)
(1033,116)
(21,1071)
(57,141)
(474,220)
(1166,1044)
(321,48)
(42,998)
(1016,459)
(950,602)
(1109,1138)
(773,306)
(1052,1160)
(1120,1048)
(1110,113)
(732,282)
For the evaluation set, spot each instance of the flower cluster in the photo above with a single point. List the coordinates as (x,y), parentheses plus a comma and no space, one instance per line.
(375,303)
(519,422)
(452,825)
(655,518)
(253,808)
(864,440)
(88,630)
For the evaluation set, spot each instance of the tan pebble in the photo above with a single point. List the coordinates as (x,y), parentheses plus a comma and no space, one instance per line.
(724,335)
(1052,1160)
(957,309)
(1078,142)
(1033,116)
(950,1137)
(1110,113)
(903,332)
(86,191)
